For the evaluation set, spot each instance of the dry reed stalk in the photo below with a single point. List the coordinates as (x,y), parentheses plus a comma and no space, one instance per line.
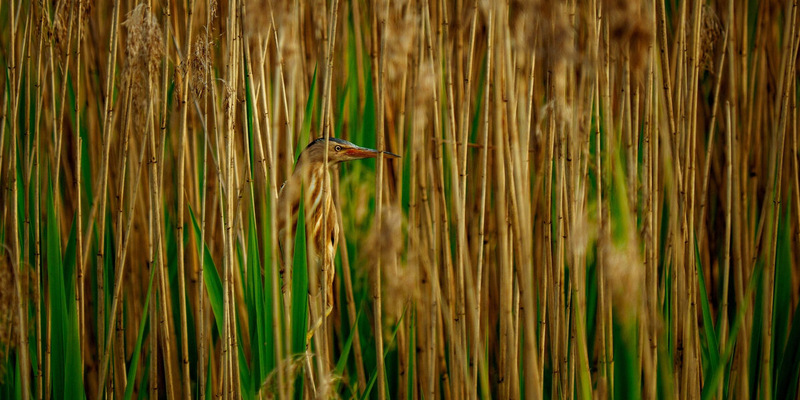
(350,299)
(523,232)
(273,180)
(25,53)
(187,391)
(505,273)
(78,186)
(730,161)
(19,275)
(483,193)
(229,326)
(202,188)
(786,86)
(106,137)
(326,122)
(603,298)
(37,263)
(436,215)
(414,216)
(153,337)
(58,125)
(378,74)
(105,347)
(712,129)
(649,205)
(158,227)
(286,274)
(458,180)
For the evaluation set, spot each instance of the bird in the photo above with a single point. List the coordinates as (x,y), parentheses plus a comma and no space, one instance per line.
(322,226)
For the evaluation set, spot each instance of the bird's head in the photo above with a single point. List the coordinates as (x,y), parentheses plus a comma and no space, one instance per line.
(338,151)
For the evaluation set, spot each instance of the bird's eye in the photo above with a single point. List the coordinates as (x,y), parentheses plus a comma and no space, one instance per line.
(338,148)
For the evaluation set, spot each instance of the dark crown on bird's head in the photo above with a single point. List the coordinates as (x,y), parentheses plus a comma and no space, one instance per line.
(339,150)
(333,139)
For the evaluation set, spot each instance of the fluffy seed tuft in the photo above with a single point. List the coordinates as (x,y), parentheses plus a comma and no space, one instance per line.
(143,52)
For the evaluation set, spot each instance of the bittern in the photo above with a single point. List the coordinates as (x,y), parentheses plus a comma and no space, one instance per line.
(322,225)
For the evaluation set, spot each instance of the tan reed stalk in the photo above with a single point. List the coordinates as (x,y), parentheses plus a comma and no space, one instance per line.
(261,158)
(218,157)
(287,274)
(433,310)
(786,86)
(650,240)
(22,331)
(273,181)
(37,263)
(106,137)
(158,257)
(4,116)
(58,125)
(350,298)
(402,332)
(712,129)
(78,186)
(455,281)
(326,126)
(606,355)
(729,162)
(201,289)
(505,273)
(119,273)
(104,353)
(523,231)
(738,243)
(561,292)
(119,367)
(225,185)
(24,53)
(482,219)
(415,220)
(691,254)
(26,156)
(153,379)
(665,67)
(281,68)
(437,220)
(378,68)
(228,215)
(187,390)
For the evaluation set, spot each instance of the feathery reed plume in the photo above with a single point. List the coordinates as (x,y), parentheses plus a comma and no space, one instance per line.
(143,52)
(400,27)
(710,35)
(199,63)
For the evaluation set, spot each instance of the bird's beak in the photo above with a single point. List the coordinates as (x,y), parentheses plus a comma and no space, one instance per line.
(363,152)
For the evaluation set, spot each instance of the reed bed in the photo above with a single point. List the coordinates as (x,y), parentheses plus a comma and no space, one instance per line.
(595,199)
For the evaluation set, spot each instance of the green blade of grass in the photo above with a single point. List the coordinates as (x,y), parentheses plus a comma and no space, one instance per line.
(389,344)
(709,333)
(137,348)
(210,276)
(299,285)
(789,367)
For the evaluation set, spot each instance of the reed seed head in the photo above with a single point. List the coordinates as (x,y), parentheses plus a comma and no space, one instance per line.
(400,28)
(631,29)
(710,35)
(200,64)
(143,52)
